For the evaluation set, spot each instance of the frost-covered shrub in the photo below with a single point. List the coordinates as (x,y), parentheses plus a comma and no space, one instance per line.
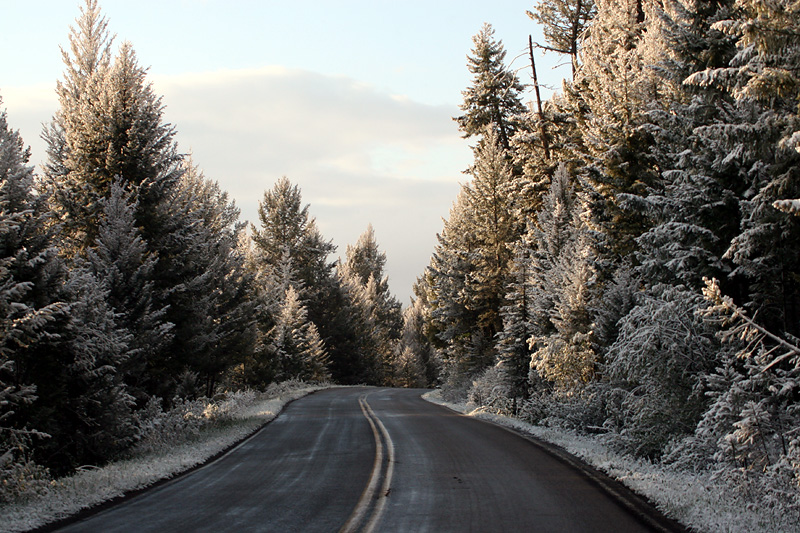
(583,409)
(274,390)
(159,430)
(455,384)
(20,476)
(491,390)
(773,492)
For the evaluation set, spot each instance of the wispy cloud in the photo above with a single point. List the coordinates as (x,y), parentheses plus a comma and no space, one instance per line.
(361,155)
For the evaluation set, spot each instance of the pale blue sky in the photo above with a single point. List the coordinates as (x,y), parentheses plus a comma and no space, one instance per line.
(352,100)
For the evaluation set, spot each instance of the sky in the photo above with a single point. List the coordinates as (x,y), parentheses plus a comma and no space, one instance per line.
(350,100)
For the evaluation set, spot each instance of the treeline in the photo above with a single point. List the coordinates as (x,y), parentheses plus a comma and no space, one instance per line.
(625,259)
(128,284)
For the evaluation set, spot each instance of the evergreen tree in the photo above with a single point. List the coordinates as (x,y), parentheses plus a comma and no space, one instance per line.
(299,349)
(416,363)
(287,228)
(452,318)
(493,99)
(494,228)
(366,262)
(758,139)
(513,352)
(121,261)
(607,98)
(109,125)
(202,274)
(660,360)
(561,293)
(30,273)
(377,313)
(94,421)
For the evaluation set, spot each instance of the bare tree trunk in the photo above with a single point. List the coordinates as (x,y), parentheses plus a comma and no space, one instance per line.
(545,144)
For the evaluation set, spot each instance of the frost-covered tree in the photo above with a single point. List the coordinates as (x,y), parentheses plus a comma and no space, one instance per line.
(286,227)
(753,396)
(561,293)
(30,273)
(121,261)
(94,421)
(760,139)
(109,125)
(513,351)
(416,360)
(493,227)
(660,359)
(379,313)
(607,99)
(201,271)
(299,350)
(493,99)
(451,318)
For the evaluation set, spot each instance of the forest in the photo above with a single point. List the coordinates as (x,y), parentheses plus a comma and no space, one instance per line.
(131,294)
(622,259)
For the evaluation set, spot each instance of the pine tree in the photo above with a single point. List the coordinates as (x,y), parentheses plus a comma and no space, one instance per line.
(362,274)
(365,261)
(416,360)
(287,227)
(109,125)
(758,140)
(121,261)
(607,98)
(494,228)
(95,422)
(299,349)
(561,293)
(493,99)
(30,274)
(513,352)
(660,359)
(202,274)
(452,318)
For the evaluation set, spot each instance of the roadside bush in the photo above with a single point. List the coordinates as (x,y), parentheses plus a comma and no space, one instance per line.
(491,391)
(20,477)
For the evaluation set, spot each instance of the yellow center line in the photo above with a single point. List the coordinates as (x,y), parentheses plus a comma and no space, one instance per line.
(368,496)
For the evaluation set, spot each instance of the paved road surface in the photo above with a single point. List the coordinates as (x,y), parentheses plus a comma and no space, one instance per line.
(363,459)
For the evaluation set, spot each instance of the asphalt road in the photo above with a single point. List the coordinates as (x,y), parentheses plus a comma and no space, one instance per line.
(363,459)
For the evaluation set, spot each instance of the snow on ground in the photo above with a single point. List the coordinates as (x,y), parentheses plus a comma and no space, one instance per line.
(693,499)
(93,486)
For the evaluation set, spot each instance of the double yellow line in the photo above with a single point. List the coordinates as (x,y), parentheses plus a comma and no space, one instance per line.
(371,505)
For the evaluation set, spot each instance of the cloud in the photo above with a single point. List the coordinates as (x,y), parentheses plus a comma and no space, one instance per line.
(360,154)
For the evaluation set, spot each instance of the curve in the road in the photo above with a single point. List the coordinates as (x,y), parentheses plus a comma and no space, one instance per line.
(376,460)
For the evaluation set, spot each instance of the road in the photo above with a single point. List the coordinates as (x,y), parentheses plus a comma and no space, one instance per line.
(364,459)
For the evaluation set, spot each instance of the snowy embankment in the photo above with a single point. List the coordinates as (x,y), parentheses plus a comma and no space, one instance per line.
(234,418)
(694,499)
